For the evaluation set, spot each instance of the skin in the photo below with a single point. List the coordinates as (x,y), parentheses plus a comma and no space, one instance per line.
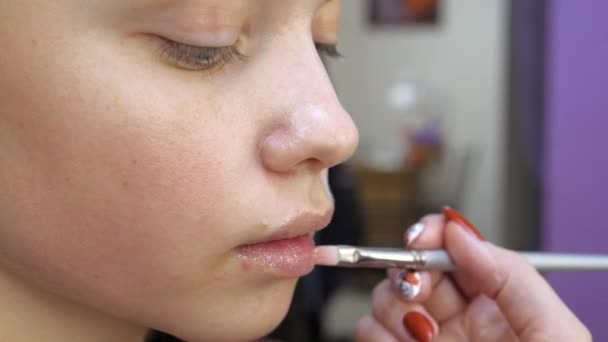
(128,182)
(495,296)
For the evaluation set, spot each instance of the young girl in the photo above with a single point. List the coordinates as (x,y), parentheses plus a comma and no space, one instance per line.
(163,166)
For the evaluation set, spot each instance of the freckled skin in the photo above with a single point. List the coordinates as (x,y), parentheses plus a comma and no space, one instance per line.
(128,184)
(265,226)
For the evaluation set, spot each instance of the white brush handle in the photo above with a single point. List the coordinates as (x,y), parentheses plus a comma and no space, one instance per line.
(572,262)
(440,259)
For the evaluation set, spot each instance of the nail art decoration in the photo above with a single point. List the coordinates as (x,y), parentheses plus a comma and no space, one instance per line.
(409,283)
(412,233)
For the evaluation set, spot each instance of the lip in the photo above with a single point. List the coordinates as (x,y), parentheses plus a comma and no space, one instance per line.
(289,251)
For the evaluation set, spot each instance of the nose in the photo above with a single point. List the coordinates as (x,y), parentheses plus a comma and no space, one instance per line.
(315,136)
(312,128)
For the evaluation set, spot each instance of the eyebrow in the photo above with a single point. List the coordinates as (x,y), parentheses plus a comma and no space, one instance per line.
(198,13)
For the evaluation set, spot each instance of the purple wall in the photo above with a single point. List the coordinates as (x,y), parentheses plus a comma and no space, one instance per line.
(576,169)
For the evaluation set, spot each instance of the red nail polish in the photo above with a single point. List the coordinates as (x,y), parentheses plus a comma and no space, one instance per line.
(453,215)
(419,326)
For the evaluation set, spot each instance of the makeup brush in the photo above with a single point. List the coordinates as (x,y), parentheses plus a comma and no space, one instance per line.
(438,259)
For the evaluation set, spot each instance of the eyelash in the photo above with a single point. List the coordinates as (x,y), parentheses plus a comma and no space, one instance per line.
(329,50)
(199,58)
(192,57)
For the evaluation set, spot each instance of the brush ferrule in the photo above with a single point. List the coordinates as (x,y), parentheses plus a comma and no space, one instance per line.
(350,256)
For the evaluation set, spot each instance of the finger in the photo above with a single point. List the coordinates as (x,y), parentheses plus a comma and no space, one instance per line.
(482,321)
(410,285)
(368,330)
(438,293)
(388,310)
(441,297)
(426,234)
(402,319)
(446,300)
(482,313)
(521,293)
(415,285)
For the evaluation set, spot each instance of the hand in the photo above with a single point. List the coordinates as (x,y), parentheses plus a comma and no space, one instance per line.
(495,296)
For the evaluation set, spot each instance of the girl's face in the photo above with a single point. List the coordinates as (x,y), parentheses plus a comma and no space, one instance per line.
(151,149)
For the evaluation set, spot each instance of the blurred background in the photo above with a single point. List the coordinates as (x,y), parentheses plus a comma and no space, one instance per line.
(497,108)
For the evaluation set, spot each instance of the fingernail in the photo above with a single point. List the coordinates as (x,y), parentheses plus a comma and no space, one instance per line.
(409,283)
(453,215)
(419,326)
(412,233)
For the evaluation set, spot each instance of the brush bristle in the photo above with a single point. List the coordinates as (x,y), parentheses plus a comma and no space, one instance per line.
(326,256)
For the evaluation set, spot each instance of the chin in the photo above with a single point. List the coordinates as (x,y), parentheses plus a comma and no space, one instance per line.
(249,319)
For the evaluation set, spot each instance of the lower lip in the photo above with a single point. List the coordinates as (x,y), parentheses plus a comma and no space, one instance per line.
(292,257)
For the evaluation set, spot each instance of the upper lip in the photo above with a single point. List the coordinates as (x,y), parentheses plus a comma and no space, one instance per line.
(307,222)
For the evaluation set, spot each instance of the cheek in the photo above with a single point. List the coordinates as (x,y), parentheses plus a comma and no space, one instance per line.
(104,187)
(121,189)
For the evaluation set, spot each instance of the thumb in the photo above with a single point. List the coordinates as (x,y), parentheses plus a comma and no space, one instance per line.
(528,302)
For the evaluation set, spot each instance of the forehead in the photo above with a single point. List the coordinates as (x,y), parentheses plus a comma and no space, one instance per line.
(193,15)
(219,4)
(222,9)
(190,6)
(222,5)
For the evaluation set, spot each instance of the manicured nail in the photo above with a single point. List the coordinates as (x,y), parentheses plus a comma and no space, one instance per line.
(419,326)
(409,283)
(453,215)
(412,233)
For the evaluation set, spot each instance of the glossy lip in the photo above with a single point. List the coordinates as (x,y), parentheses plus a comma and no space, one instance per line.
(289,251)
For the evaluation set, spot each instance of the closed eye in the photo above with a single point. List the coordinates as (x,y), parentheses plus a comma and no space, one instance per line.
(329,50)
(198,58)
